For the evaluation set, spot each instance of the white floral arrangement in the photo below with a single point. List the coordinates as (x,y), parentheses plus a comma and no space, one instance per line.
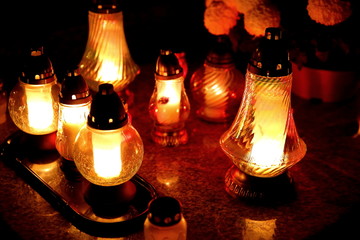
(324,40)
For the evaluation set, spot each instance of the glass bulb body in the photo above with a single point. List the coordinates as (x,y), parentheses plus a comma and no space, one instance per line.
(263,139)
(169,108)
(34,107)
(108,157)
(217,91)
(107,57)
(72,117)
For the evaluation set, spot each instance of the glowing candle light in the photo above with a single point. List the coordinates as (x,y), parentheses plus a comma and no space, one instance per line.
(107,154)
(40,109)
(168,101)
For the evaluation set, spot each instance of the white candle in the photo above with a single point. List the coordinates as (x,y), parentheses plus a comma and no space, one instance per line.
(73,118)
(107,154)
(40,108)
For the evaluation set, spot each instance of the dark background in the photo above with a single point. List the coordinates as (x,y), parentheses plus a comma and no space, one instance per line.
(61,27)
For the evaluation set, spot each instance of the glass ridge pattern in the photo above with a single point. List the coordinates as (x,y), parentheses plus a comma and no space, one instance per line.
(265,113)
(107,57)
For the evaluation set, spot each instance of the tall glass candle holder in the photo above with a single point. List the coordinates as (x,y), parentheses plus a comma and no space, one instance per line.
(217,86)
(263,141)
(107,58)
(169,106)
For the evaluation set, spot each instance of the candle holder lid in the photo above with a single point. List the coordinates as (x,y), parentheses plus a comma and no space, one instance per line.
(271,58)
(74,89)
(105,6)
(107,111)
(168,66)
(164,211)
(37,67)
(221,53)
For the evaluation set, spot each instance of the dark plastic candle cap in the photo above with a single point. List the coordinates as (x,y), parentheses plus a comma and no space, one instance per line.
(37,67)
(105,6)
(271,58)
(74,89)
(107,111)
(168,66)
(164,211)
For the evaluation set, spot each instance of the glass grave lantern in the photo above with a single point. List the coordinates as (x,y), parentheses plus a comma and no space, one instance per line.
(169,106)
(262,141)
(33,102)
(107,58)
(217,86)
(109,152)
(74,107)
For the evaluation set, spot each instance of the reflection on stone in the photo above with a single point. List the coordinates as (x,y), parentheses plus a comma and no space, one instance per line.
(258,230)
(167,171)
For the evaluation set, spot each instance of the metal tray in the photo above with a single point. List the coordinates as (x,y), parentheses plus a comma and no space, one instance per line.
(60,184)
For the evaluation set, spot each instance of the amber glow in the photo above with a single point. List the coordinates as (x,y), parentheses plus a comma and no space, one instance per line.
(269,129)
(107,154)
(168,101)
(107,58)
(267,152)
(213,107)
(40,109)
(108,71)
(72,119)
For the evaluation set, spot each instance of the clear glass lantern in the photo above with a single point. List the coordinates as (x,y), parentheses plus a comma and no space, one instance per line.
(217,86)
(33,102)
(107,58)
(169,106)
(109,150)
(263,141)
(74,107)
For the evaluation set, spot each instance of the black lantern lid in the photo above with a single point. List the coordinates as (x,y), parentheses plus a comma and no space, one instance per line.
(74,89)
(221,53)
(271,58)
(168,66)
(37,67)
(105,6)
(164,211)
(107,111)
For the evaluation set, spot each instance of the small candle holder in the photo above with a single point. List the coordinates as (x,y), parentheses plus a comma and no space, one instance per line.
(74,107)
(169,106)
(33,102)
(217,86)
